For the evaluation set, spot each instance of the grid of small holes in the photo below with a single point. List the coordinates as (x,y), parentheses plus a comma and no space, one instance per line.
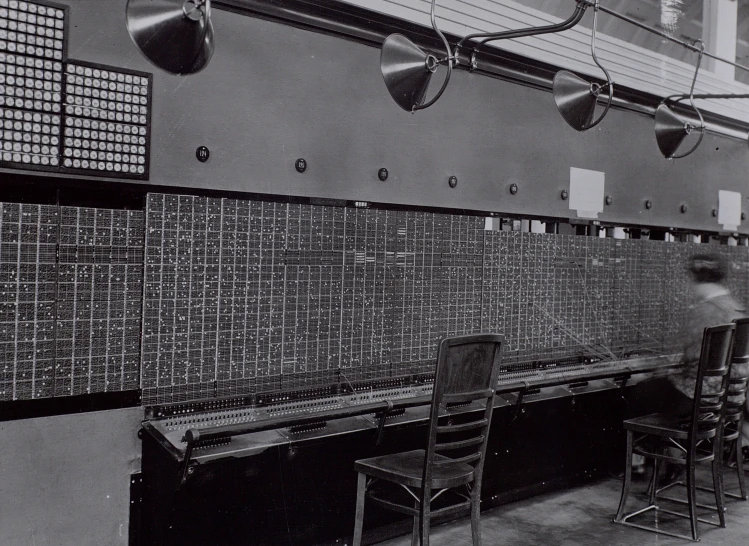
(273,296)
(106,94)
(29,137)
(30,83)
(27,298)
(32,29)
(244,296)
(627,334)
(29,109)
(106,120)
(99,300)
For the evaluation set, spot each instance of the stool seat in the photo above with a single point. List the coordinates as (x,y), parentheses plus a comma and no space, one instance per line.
(407,468)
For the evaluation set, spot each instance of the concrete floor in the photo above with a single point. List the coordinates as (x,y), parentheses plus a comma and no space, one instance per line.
(583,516)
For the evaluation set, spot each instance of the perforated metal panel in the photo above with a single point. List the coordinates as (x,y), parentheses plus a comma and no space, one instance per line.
(106,120)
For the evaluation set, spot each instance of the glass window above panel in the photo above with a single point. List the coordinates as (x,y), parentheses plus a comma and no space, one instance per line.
(742,41)
(681,19)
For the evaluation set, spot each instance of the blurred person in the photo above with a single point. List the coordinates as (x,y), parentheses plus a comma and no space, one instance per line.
(711,304)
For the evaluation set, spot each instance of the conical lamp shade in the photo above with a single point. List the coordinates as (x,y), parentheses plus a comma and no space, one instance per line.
(574,100)
(404,68)
(169,38)
(670,130)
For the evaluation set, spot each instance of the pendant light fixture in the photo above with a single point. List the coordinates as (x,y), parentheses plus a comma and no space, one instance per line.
(575,97)
(174,35)
(407,69)
(671,129)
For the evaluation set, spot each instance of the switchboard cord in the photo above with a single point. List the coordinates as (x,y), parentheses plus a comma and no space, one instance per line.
(630,324)
(587,296)
(591,348)
(341,374)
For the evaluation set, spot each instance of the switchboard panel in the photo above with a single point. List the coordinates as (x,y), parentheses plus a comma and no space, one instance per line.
(248,296)
(70,300)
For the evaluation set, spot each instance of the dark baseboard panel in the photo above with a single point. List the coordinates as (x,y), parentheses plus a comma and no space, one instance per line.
(46,407)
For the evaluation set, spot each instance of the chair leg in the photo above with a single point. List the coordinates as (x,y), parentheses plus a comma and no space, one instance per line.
(692,495)
(361,489)
(718,488)
(653,487)
(740,467)
(424,516)
(415,532)
(718,478)
(476,515)
(627,479)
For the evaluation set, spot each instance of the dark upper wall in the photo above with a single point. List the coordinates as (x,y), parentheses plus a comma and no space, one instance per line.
(273,93)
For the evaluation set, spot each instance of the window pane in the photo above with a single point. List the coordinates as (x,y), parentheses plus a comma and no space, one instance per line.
(742,41)
(681,19)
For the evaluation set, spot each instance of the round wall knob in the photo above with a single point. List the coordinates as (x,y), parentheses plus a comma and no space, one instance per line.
(565,195)
(513,188)
(714,213)
(683,208)
(452,181)
(608,200)
(300,165)
(202,153)
(383,174)
(743,216)
(648,204)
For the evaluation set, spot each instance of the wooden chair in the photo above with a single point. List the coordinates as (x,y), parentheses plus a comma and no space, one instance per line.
(705,422)
(452,463)
(733,413)
(734,418)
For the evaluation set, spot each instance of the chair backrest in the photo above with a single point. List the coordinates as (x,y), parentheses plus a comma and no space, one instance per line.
(739,370)
(467,371)
(713,374)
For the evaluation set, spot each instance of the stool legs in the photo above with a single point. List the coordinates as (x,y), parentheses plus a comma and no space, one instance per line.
(627,479)
(361,489)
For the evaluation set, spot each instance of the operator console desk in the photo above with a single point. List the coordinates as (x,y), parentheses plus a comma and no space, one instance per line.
(195,432)
(277,468)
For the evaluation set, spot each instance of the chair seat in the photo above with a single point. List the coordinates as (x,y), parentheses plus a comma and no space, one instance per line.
(407,468)
(732,417)
(660,424)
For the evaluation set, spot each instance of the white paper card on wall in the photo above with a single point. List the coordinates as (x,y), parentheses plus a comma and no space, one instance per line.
(729,209)
(586,192)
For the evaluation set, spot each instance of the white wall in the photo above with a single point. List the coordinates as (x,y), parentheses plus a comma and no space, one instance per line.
(65,480)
